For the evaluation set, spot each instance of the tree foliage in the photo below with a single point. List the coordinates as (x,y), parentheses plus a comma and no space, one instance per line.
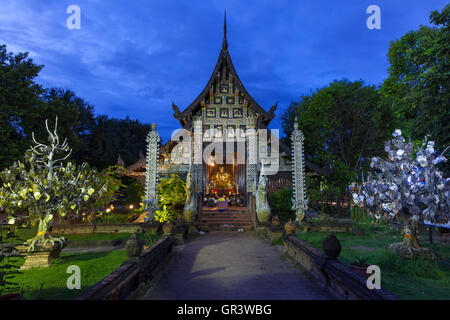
(19,98)
(407,183)
(45,184)
(108,138)
(419,79)
(344,122)
(25,104)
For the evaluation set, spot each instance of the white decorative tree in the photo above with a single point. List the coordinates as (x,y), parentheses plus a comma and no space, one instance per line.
(408,185)
(45,184)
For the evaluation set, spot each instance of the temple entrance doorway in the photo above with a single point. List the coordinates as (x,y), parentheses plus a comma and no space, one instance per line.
(224,184)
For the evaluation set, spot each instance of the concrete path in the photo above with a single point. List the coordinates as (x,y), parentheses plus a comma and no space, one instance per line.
(225,265)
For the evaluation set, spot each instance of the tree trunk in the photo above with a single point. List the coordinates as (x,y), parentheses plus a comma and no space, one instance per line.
(410,229)
(44,226)
(43,240)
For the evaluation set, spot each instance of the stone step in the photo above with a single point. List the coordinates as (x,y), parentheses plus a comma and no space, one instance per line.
(225,227)
(224,222)
(224,218)
(219,223)
(237,214)
(227,220)
(215,229)
(224,214)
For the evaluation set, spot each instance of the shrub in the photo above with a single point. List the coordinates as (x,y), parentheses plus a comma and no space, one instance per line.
(171,198)
(280,203)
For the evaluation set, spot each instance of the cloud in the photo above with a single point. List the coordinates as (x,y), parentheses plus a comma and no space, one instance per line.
(134,58)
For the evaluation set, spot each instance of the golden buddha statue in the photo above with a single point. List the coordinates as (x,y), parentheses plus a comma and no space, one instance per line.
(223,179)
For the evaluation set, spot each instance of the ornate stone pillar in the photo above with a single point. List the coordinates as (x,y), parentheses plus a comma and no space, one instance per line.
(151,201)
(252,154)
(197,144)
(299,201)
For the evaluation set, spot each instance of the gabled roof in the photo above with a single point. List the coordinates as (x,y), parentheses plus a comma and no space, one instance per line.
(186,117)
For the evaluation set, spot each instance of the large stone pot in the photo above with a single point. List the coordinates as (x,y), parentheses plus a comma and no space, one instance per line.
(290,227)
(331,246)
(276,222)
(133,247)
(167,228)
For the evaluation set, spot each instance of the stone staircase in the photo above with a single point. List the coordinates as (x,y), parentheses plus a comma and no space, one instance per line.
(231,219)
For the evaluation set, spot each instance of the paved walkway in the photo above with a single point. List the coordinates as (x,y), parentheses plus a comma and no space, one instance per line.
(225,265)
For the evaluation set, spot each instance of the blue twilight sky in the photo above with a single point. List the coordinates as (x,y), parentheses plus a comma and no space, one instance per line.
(134,57)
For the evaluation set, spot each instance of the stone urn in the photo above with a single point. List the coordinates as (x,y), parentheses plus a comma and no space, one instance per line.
(331,246)
(167,228)
(133,247)
(290,227)
(276,222)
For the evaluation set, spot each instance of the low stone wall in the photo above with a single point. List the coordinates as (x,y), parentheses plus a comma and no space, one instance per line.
(329,226)
(336,277)
(102,228)
(95,243)
(122,282)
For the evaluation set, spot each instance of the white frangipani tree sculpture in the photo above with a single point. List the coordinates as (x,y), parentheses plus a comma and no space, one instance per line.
(408,184)
(45,184)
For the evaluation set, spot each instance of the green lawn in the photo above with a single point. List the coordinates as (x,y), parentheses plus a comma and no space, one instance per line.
(28,233)
(94,266)
(420,279)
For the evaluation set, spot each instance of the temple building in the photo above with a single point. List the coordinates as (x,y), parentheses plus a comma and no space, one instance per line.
(226,116)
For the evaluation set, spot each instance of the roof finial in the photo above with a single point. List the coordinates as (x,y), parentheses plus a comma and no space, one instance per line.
(225,43)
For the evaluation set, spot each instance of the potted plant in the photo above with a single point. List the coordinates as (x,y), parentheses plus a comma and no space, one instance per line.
(167,228)
(359,266)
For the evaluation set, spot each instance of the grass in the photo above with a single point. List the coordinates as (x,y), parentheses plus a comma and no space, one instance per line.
(277,241)
(94,266)
(28,233)
(408,279)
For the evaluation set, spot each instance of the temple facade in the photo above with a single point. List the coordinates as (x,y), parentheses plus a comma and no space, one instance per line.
(224,141)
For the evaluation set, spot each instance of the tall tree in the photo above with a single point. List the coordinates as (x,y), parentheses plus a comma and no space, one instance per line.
(19,97)
(419,79)
(110,138)
(344,122)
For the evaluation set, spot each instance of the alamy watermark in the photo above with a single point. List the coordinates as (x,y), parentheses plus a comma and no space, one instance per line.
(74,20)
(74,280)
(374,20)
(374,280)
